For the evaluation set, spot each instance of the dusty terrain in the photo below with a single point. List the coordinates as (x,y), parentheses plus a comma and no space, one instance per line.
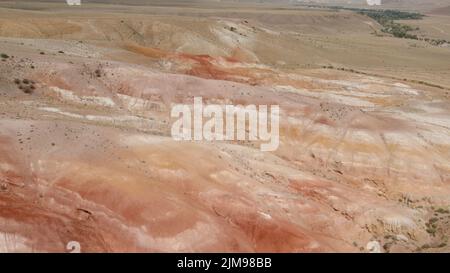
(86,153)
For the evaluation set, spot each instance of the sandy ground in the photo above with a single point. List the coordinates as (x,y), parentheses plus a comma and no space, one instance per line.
(86,153)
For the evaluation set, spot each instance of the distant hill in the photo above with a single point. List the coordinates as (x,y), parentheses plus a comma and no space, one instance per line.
(437,6)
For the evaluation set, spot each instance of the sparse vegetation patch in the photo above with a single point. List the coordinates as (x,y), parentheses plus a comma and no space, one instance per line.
(27,86)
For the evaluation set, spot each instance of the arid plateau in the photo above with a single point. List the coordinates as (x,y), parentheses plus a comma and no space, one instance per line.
(86,153)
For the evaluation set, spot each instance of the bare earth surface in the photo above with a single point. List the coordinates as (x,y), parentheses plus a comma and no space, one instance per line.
(86,153)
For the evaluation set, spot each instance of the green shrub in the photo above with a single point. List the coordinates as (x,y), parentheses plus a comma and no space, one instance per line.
(441,210)
(431,231)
